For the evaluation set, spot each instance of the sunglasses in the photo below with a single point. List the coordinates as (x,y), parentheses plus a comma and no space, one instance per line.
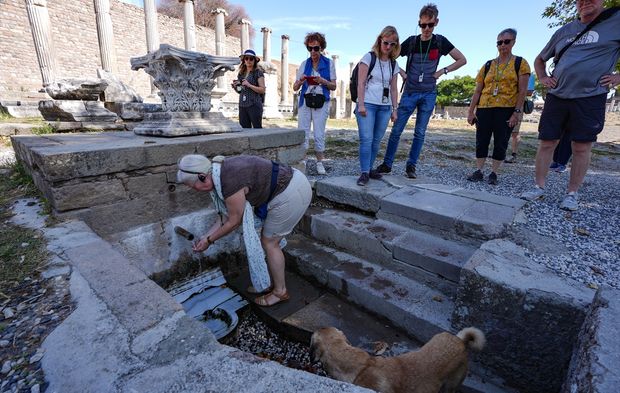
(505,42)
(248,58)
(316,48)
(388,43)
(425,25)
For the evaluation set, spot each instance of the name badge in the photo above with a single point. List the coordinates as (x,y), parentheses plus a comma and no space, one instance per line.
(421,78)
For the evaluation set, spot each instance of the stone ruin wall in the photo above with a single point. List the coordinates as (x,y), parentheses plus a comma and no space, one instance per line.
(74,32)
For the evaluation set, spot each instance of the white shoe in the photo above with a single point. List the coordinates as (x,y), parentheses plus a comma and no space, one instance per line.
(570,202)
(320,169)
(533,194)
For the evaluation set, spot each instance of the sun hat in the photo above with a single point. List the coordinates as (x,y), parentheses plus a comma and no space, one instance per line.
(249,52)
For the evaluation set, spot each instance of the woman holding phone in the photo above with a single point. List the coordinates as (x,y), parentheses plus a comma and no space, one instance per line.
(316,77)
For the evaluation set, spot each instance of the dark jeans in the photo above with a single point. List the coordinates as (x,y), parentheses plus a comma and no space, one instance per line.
(493,122)
(251,116)
(563,150)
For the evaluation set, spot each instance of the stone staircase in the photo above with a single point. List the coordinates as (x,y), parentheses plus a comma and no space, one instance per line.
(429,258)
(397,247)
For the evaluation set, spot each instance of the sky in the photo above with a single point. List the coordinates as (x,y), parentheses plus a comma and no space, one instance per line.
(351,27)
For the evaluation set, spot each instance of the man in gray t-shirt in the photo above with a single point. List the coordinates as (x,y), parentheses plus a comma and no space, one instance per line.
(577,92)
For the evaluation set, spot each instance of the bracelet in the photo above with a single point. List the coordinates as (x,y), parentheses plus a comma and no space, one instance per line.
(209,241)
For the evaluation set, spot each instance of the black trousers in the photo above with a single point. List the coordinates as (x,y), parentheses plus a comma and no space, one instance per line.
(493,122)
(251,116)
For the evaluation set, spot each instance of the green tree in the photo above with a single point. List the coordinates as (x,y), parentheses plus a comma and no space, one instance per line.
(456,91)
(563,11)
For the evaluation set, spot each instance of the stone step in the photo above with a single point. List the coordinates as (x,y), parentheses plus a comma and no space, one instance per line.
(21,109)
(425,257)
(417,309)
(451,211)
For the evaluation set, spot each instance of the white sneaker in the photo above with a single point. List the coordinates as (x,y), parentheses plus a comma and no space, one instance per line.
(533,194)
(570,202)
(320,169)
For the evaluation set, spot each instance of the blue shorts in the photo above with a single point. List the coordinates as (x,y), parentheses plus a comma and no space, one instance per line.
(582,118)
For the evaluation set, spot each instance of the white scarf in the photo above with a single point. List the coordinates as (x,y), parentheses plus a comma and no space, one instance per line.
(259,275)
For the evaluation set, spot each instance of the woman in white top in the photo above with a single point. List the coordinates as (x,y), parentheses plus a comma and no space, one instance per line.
(316,76)
(377,98)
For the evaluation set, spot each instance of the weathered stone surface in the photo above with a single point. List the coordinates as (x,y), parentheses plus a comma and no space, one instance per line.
(86,89)
(344,190)
(517,303)
(594,366)
(174,124)
(291,156)
(132,110)
(75,110)
(21,109)
(264,140)
(116,90)
(77,196)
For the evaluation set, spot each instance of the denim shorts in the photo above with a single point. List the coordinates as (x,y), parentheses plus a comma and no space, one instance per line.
(582,118)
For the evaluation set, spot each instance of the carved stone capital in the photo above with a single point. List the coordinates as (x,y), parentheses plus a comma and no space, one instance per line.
(219,11)
(185,79)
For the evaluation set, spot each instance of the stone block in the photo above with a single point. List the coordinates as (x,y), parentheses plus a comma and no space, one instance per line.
(75,110)
(344,190)
(594,365)
(266,138)
(291,156)
(426,207)
(87,194)
(484,220)
(432,253)
(174,124)
(147,185)
(132,110)
(531,316)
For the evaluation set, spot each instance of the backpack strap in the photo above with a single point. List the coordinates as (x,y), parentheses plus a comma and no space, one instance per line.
(487,67)
(518,60)
(373,60)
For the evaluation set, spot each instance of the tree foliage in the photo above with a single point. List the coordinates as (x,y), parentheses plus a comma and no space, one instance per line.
(455,91)
(563,11)
(204,17)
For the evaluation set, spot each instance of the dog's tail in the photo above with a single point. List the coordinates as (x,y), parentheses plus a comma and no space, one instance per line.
(473,338)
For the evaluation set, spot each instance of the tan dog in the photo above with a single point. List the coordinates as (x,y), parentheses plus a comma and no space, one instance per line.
(441,363)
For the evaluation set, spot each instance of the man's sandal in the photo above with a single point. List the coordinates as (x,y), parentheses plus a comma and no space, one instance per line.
(262,300)
(253,291)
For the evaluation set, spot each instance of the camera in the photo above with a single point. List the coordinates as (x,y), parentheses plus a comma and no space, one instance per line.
(239,86)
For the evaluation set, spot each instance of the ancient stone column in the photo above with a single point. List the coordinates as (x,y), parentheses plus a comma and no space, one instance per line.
(220,41)
(334,110)
(150,22)
(266,44)
(245,34)
(270,107)
(284,70)
(105,35)
(348,108)
(39,20)
(189,26)
(152,35)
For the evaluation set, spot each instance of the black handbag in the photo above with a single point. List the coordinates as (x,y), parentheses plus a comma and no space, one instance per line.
(314,100)
(528,106)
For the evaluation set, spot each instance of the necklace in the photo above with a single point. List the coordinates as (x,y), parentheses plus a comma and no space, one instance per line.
(423,58)
(499,73)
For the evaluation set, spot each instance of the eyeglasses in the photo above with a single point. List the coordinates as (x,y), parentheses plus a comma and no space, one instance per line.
(388,43)
(316,48)
(505,42)
(248,58)
(425,25)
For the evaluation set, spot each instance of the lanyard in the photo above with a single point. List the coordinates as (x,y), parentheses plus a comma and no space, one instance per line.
(423,59)
(498,73)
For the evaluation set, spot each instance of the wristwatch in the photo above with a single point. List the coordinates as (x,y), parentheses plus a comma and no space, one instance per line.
(517,110)
(445,70)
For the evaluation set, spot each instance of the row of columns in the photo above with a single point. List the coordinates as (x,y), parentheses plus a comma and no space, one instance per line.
(38,17)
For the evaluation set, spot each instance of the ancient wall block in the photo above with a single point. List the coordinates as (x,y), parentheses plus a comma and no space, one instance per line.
(86,194)
(531,316)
